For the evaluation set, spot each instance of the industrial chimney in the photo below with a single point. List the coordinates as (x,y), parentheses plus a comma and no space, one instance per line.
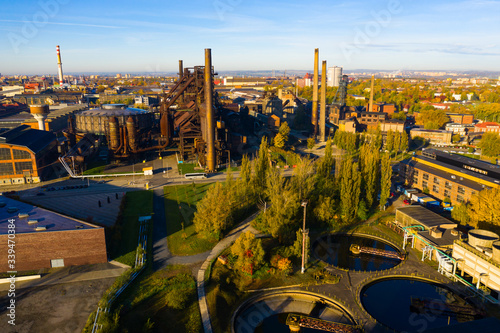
(59,65)
(314,116)
(370,103)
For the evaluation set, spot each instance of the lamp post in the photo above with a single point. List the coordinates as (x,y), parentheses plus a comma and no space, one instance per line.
(304,204)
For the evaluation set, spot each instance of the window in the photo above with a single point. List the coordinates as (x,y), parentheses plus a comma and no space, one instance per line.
(447,185)
(435,188)
(6,169)
(415,172)
(460,198)
(424,184)
(21,166)
(21,154)
(436,180)
(446,193)
(5,154)
(461,190)
(57,263)
(426,176)
(415,179)
(472,192)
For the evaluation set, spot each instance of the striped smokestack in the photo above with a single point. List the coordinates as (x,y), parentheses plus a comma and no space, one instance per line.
(59,65)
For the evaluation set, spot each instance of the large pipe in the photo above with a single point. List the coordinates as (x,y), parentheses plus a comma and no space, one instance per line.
(370,104)
(59,65)
(314,118)
(210,112)
(132,142)
(322,111)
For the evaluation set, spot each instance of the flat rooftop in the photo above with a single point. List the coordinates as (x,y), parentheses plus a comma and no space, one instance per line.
(424,216)
(463,159)
(50,220)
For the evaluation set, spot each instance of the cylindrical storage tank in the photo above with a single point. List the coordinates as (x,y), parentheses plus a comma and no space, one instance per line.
(496,251)
(482,238)
(114,140)
(131,134)
(39,109)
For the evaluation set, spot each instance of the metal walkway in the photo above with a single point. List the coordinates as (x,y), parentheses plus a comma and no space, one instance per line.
(295,322)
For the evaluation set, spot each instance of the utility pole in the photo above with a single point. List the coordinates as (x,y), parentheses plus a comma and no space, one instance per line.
(304,204)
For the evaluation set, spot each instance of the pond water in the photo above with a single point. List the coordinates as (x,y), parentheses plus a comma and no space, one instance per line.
(335,250)
(390,303)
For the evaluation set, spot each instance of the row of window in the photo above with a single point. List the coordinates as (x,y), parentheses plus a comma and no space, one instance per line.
(18,154)
(7,169)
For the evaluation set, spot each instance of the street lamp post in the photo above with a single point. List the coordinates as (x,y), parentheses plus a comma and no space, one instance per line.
(304,204)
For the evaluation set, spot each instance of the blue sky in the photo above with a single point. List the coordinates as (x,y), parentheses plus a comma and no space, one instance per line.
(151,36)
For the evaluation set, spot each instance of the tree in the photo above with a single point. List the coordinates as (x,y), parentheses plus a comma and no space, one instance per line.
(432,118)
(303,180)
(385,180)
(279,141)
(404,142)
(460,214)
(212,217)
(483,207)
(326,209)
(261,166)
(350,190)
(284,130)
(325,164)
(389,141)
(455,138)
(490,144)
(310,143)
(370,170)
(246,170)
(297,246)
(249,251)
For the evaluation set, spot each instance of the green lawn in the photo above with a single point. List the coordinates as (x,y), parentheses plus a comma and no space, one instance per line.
(123,236)
(180,205)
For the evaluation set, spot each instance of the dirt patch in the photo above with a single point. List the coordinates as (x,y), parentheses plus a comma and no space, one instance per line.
(57,308)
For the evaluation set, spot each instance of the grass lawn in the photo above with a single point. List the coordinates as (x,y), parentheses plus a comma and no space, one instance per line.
(123,236)
(180,205)
(167,298)
(188,168)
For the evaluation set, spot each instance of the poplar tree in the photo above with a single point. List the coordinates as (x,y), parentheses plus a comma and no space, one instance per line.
(385,180)
(261,166)
(389,141)
(350,190)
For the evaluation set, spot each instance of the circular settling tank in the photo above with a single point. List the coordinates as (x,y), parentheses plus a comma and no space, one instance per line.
(268,313)
(411,305)
(356,252)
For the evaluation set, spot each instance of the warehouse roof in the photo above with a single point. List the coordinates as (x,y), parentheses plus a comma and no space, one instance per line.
(425,217)
(50,220)
(24,135)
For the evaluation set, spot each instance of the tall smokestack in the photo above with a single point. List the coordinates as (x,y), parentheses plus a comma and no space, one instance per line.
(181,69)
(59,65)
(322,110)
(210,112)
(314,117)
(370,104)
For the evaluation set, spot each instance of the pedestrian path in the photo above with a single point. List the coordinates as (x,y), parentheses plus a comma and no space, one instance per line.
(221,246)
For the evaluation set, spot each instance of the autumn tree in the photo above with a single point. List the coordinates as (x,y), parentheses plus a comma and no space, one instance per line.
(246,170)
(484,207)
(370,170)
(432,118)
(326,210)
(460,214)
(385,179)
(297,246)
(261,166)
(404,142)
(211,217)
(249,252)
(389,141)
(350,190)
(490,144)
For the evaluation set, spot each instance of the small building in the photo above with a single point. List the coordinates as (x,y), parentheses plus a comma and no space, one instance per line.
(392,125)
(433,136)
(45,239)
(460,118)
(487,127)
(460,129)
(25,155)
(431,228)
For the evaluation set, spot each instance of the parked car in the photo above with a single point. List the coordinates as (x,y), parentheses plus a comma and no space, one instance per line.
(407,202)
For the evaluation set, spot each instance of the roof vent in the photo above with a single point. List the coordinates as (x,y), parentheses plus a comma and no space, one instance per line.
(32,221)
(40,228)
(453,177)
(79,226)
(23,215)
(11,209)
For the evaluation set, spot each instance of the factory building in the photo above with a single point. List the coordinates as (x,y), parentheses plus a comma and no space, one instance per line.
(448,175)
(25,155)
(45,239)
(433,136)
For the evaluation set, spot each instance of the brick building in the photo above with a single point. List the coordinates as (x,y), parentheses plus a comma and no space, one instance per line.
(448,175)
(459,118)
(487,127)
(45,239)
(433,136)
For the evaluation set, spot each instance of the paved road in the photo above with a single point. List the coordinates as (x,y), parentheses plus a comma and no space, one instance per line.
(161,253)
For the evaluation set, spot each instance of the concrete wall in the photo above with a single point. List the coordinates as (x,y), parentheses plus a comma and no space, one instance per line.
(36,250)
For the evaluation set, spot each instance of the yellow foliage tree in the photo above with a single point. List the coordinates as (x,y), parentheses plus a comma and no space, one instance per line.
(484,207)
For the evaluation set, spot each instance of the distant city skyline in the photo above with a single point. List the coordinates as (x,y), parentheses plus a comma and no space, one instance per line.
(150,37)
